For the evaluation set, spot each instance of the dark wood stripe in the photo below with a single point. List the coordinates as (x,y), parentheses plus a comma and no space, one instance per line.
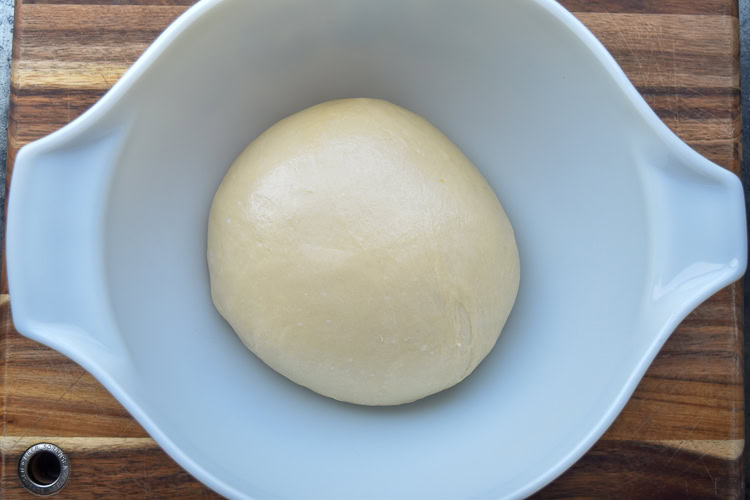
(707,7)
(671,91)
(611,469)
(632,469)
(141,472)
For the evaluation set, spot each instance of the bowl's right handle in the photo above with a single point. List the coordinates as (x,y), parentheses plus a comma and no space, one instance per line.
(697,227)
(55,244)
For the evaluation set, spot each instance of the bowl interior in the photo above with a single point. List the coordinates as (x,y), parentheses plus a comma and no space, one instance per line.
(537,113)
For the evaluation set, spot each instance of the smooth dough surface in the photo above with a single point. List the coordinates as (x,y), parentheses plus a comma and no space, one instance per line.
(357,251)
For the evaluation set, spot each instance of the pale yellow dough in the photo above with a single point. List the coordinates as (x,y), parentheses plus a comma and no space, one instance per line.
(358,252)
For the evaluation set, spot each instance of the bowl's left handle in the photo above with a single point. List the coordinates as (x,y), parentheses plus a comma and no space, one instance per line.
(55,241)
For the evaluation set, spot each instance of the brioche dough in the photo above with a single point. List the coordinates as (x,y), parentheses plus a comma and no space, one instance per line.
(358,252)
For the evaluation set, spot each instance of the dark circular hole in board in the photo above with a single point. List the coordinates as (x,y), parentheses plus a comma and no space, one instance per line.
(44,468)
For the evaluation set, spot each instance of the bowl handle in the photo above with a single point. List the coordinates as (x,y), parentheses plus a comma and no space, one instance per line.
(55,241)
(697,228)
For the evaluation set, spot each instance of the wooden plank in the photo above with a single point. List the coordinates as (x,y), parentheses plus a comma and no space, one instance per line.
(110,468)
(682,433)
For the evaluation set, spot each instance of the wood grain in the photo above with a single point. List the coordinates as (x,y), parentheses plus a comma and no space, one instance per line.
(681,434)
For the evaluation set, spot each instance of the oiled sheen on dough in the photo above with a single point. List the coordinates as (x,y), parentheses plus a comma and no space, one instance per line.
(358,252)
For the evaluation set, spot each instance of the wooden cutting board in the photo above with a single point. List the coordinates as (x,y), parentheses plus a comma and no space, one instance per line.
(681,434)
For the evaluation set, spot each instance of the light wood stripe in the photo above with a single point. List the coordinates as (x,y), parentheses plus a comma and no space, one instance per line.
(19,444)
(722,449)
(726,450)
(67,74)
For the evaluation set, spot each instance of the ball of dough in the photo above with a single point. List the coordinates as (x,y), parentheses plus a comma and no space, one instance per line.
(358,252)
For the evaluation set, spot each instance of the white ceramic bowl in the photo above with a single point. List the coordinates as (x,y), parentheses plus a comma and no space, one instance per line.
(621,227)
